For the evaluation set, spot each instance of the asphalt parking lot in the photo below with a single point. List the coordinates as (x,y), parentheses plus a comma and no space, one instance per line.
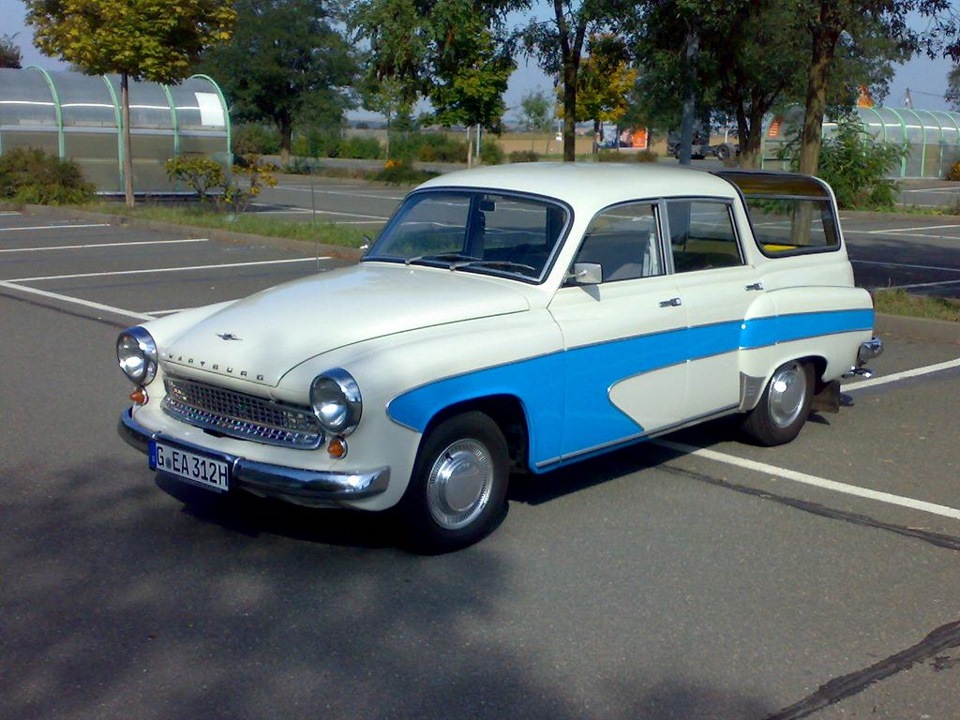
(694,577)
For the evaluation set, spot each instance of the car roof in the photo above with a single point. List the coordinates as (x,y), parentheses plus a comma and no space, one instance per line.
(594,184)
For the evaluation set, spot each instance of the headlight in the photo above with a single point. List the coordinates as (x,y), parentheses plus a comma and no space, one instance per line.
(336,401)
(137,355)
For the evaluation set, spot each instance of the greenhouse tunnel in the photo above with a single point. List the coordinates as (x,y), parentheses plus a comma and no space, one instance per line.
(77,117)
(932,137)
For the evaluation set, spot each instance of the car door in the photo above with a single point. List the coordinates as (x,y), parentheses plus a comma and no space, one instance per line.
(623,325)
(716,287)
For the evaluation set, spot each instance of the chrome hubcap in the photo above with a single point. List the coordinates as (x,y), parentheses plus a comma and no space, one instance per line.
(459,484)
(788,390)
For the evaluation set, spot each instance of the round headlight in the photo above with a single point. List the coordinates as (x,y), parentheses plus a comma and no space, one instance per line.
(137,355)
(336,401)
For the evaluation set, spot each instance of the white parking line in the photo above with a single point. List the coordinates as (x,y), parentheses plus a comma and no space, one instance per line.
(74,301)
(904,375)
(912,266)
(89,246)
(54,227)
(804,478)
(149,271)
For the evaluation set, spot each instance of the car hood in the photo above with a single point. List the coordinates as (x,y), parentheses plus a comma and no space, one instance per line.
(260,338)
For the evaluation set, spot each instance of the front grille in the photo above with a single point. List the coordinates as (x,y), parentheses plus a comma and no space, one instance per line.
(242,416)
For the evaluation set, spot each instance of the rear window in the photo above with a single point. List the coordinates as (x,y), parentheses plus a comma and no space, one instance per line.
(789,214)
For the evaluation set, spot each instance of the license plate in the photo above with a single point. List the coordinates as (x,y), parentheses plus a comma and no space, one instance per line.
(200,469)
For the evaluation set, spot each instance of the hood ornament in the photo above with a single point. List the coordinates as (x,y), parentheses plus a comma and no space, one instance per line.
(228,336)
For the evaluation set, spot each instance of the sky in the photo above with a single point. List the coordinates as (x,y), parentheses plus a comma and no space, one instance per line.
(925,79)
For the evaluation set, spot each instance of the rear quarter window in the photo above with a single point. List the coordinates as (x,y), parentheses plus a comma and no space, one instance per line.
(789,214)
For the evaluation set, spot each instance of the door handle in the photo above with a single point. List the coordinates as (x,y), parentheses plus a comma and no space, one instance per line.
(754,286)
(672,302)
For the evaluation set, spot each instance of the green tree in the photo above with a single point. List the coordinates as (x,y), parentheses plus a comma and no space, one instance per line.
(736,74)
(605,81)
(952,95)
(454,53)
(558,44)
(831,23)
(537,111)
(10,56)
(154,40)
(287,60)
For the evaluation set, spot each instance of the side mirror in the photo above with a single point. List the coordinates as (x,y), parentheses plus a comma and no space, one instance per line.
(586,274)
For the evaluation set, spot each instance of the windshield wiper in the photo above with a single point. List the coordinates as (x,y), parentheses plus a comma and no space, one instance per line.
(505,264)
(453,258)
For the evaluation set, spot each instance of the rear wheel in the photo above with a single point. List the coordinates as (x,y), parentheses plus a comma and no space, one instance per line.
(784,406)
(457,493)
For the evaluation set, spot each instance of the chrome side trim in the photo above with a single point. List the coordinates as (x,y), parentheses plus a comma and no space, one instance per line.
(293,484)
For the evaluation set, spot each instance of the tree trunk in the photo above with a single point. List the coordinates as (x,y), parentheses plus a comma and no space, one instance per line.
(569,110)
(825,39)
(125,123)
(286,138)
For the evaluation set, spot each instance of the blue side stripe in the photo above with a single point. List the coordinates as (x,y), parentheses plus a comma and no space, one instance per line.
(590,372)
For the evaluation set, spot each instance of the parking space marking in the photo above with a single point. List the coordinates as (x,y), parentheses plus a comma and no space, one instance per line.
(804,478)
(904,375)
(88,246)
(148,271)
(912,266)
(74,301)
(55,227)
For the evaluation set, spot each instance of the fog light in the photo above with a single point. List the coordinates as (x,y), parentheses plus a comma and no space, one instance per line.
(337,448)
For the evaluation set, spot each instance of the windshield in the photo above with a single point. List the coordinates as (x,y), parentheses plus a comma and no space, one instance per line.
(474,231)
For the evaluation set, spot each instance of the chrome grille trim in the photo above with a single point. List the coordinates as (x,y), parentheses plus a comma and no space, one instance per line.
(242,416)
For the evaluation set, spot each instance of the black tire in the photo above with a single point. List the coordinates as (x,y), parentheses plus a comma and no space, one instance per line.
(723,152)
(784,406)
(458,490)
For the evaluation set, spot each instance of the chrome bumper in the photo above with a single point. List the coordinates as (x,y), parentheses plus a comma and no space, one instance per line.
(869,350)
(306,487)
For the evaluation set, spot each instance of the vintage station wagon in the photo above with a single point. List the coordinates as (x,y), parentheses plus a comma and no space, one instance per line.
(508,319)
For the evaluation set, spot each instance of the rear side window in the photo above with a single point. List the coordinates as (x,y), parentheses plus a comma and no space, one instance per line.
(790,214)
(788,226)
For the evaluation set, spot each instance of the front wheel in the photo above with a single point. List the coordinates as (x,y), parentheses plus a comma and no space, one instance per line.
(457,493)
(784,406)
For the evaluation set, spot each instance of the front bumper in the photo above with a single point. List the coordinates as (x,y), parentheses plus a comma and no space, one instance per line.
(304,487)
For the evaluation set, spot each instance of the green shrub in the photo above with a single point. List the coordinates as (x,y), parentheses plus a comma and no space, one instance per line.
(249,178)
(360,147)
(954,173)
(397,172)
(439,147)
(519,156)
(252,139)
(856,166)
(201,174)
(490,152)
(31,176)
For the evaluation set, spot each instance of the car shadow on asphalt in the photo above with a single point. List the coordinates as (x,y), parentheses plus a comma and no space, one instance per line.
(253,516)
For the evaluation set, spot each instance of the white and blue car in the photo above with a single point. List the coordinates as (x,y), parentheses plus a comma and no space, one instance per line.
(509,319)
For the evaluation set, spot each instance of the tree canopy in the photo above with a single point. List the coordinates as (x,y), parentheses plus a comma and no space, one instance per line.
(286,60)
(154,40)
(453,53)
(10,56)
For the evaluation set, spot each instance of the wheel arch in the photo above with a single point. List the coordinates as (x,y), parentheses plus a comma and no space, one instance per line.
(506,410)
